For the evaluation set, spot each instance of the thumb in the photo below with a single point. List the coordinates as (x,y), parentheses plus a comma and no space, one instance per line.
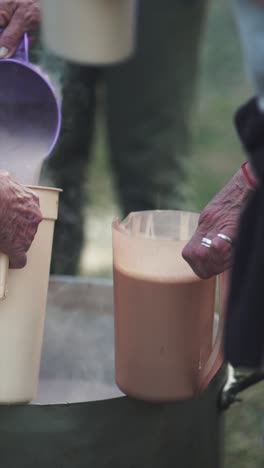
(11,35)
(18,261)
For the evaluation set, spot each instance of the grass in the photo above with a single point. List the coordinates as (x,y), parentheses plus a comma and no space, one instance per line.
(245,431)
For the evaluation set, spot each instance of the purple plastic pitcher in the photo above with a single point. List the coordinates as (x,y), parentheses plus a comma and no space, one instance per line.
(30,121)
(30,117)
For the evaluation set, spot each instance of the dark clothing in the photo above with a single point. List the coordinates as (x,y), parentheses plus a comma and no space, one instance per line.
(244,332)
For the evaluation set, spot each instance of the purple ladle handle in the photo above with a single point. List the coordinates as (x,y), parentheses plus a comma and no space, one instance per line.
(21,53)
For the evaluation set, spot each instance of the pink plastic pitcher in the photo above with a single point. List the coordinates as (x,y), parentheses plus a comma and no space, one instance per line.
(164,314)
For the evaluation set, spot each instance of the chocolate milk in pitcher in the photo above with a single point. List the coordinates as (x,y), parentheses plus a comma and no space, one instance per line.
(163,312)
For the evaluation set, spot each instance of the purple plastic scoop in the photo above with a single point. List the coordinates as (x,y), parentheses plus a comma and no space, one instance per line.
(30,122)
(30,117)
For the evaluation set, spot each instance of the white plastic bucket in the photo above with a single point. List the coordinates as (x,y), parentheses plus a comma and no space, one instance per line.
(90,31)
(22,311)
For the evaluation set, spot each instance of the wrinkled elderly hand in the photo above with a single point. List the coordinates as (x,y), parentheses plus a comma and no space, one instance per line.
(221,215)
(17,17)
(19,219)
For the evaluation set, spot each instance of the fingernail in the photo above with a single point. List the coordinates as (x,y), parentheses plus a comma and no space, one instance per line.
(3,52)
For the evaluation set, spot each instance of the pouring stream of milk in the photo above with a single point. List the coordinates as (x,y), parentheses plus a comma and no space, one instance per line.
(22,155)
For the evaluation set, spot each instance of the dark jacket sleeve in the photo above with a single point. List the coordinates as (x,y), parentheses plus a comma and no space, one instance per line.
(244,328)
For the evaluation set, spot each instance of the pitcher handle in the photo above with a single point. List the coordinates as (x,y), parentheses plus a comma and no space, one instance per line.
(21,53)
(4,265)
(216,358)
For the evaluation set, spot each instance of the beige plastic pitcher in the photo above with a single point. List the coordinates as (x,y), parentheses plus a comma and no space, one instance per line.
(22,309)
(164,314)
(90,31)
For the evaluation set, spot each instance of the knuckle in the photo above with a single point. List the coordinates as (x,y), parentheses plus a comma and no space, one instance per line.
(23,16)
(28,14)
(219,253)
(32,195)
(3,18)
(36,216)
(6,9)
(205,275)
(195,255)
(200,271)
(217,248)
(201,254)
(186,253)
(30,237)
(28,245)
(207,217)
(10,40)
(39,218)
(35,197)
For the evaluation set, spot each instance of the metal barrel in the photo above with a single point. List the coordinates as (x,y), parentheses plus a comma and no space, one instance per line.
(112,432)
